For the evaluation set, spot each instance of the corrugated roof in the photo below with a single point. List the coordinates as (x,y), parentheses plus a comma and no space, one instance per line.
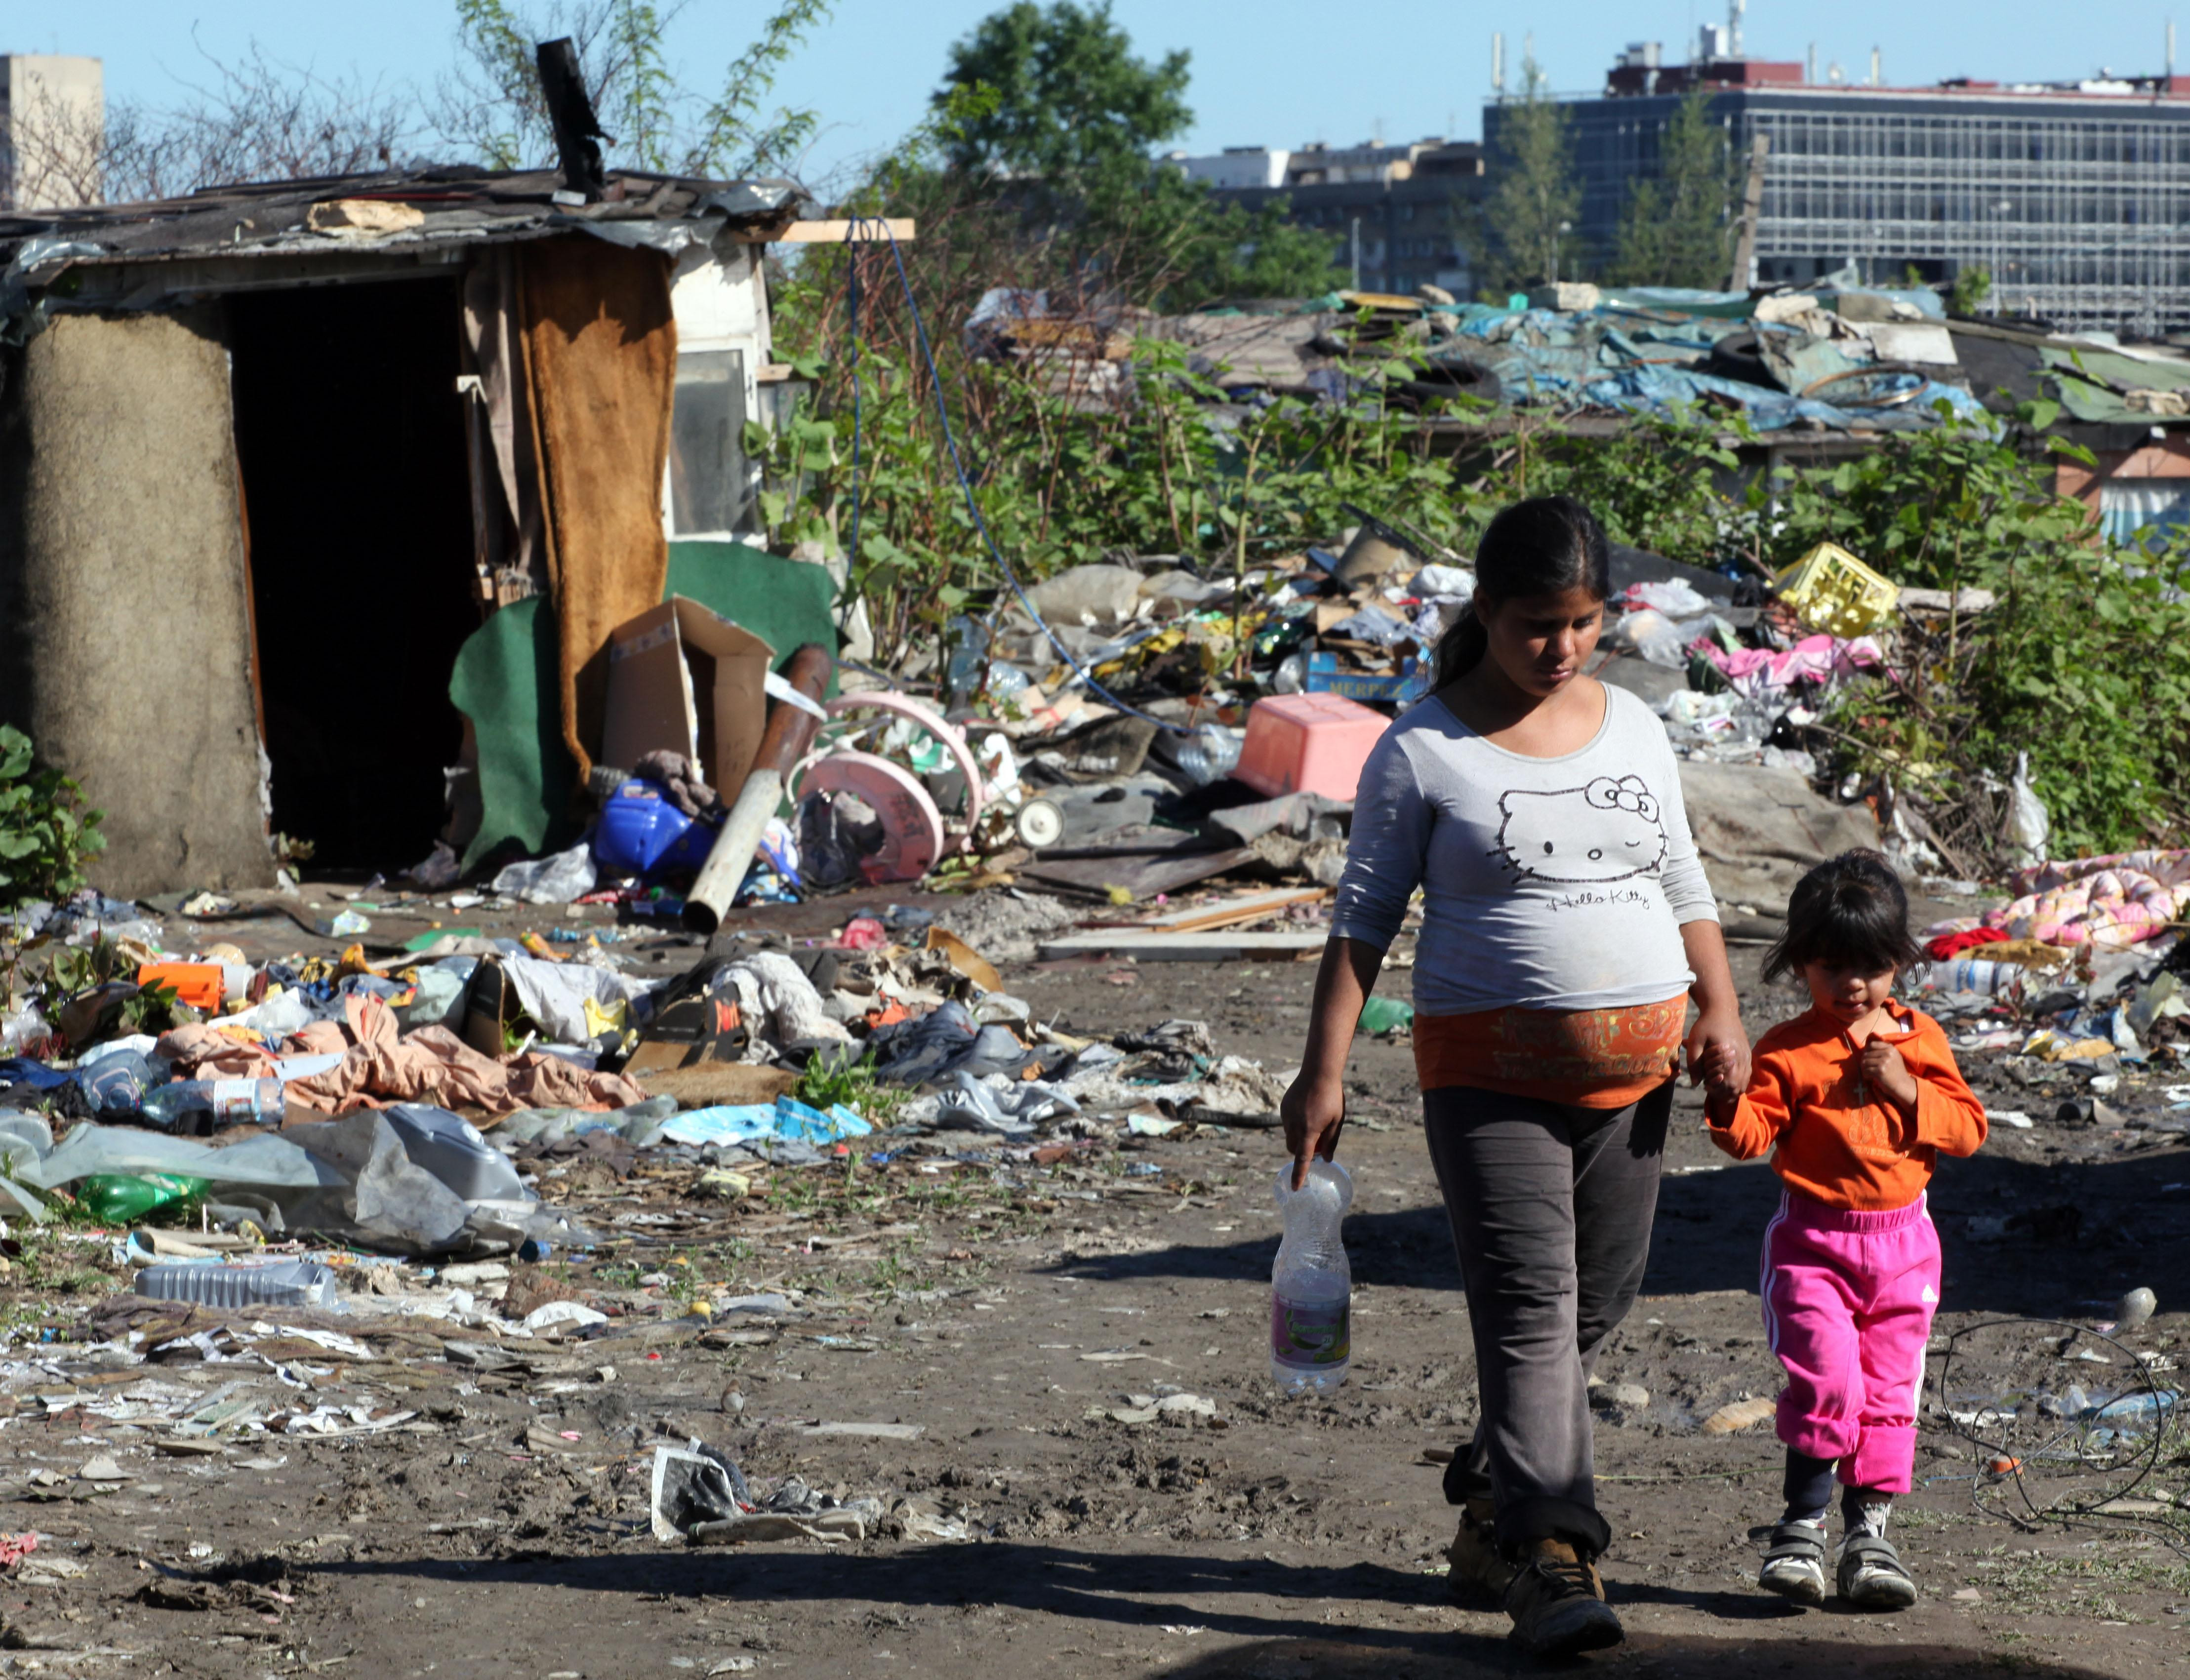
(423,207)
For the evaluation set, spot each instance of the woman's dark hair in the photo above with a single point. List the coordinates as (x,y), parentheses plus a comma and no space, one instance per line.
(1850,911)
(1543,546)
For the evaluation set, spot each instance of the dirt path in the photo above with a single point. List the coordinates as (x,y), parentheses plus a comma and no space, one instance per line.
(1006,1312)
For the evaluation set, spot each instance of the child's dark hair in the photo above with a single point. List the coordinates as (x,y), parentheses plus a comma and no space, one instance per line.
(1543,546)
(1849,910)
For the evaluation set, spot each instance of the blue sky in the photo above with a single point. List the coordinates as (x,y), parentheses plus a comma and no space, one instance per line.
(1273,71)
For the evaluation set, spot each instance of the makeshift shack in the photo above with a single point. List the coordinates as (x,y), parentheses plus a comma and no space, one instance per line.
(271,453)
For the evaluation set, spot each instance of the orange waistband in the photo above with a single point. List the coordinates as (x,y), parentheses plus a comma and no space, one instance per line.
(1594,1058)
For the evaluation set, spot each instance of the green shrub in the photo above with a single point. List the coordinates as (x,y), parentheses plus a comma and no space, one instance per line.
(46,836)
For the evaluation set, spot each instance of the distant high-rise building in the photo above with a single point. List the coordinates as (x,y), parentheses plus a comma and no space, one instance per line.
(2074,196)
(53,127)
(1393,212)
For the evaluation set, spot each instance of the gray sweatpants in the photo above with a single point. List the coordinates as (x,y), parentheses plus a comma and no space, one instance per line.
(1551,1207)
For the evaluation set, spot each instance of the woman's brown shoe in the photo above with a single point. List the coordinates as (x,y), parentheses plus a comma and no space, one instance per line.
(1557,1602)
(1480,1574)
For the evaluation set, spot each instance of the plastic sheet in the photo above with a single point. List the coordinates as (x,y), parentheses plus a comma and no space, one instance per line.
(453,1150)
(379,1199)
(266,1160)
(560,878)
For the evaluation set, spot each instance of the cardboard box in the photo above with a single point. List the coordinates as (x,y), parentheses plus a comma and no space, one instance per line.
(684,679)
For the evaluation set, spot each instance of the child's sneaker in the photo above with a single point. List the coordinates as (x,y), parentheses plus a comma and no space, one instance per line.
(1870,1576)
(1795,1564)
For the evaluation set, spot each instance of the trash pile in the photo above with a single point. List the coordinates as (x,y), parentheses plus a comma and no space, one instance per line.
(418,1108)
(2085,971)
(1836,355)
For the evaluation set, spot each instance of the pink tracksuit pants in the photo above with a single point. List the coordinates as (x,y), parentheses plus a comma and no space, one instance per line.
(1849,1298)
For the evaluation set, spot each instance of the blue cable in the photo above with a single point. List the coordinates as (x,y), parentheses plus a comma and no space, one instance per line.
(966,488)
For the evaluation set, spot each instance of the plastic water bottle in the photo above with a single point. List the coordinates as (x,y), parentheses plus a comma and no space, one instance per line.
(214,1103)
(1209,754)
(1311,1285)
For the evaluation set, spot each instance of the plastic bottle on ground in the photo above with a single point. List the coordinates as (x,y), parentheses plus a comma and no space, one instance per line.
(1386,1014)
(1210,755)
(116,1084)
(1311,1285)
(224,1102)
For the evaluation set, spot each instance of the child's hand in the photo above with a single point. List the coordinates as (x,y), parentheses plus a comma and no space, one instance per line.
(1719,1071)
(1887,1074)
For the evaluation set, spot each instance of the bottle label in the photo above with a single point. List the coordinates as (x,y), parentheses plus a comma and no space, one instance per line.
(1316,1332)
(235,1099)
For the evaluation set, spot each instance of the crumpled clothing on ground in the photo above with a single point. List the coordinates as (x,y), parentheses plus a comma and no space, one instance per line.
(775,993)
(1945,945)
(1756,672)
(380,1066)
(2119,900)
(1007,1107)
(929,1049)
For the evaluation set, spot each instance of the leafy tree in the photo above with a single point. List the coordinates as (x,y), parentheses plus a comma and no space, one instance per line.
(1073,107)
(1523,235)
(1068,121)
(493,107)
(1677,227)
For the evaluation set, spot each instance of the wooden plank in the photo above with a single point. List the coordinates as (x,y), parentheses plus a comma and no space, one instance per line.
(1255,906)
(1185,947)
(711,1082)
(870,231)
(1142,870)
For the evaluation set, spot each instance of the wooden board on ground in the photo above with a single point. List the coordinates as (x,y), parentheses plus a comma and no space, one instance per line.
(1186,947)
(711,1082)
(1140,861)
(1229,912)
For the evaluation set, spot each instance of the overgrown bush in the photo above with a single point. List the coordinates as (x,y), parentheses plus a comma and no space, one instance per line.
(1063,478)
(46,836)
(2084,662)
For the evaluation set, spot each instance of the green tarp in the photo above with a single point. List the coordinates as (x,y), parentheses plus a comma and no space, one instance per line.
(2091,398)
(504,681)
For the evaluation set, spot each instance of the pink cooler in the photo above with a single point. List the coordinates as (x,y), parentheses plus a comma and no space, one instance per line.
(1308,743)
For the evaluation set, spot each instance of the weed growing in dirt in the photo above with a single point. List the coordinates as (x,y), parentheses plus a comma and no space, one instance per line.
(51,1267)
(823,1086)
(2087,1585)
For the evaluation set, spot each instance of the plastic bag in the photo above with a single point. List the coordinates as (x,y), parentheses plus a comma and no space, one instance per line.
(2028,822)
(1656,637)
(561,878)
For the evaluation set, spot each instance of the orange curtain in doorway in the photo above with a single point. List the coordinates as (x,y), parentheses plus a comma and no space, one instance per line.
(600,350)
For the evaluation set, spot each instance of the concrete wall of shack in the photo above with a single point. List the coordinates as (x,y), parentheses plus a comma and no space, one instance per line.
(123,586)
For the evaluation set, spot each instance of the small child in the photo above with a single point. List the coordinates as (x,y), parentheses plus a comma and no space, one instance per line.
(1855,1097)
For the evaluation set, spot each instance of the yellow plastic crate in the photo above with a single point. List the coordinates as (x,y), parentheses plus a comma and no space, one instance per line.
(1832,591)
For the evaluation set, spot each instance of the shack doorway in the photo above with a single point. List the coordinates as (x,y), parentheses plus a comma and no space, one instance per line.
(357,504)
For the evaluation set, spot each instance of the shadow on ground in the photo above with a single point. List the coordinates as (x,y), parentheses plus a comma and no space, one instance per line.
(1443,1657)
(2077,1235)
(1089,1586)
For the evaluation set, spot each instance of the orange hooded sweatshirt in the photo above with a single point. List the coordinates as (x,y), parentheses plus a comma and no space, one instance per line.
(1836,1142)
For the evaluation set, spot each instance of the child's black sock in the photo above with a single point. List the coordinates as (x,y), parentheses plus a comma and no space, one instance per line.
(1865,1511)
(1808,1488)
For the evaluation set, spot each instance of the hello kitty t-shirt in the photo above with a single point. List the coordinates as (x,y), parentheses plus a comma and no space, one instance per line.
(1548,884)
